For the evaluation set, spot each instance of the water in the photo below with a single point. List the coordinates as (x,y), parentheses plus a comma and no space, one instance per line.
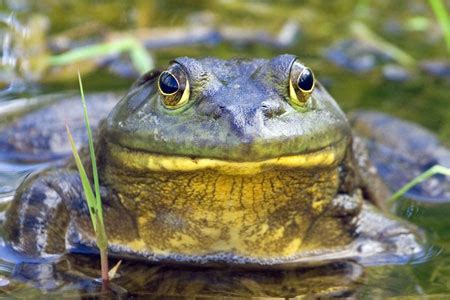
(370,80)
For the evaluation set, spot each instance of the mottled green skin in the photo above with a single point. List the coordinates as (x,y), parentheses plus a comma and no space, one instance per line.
(238,111)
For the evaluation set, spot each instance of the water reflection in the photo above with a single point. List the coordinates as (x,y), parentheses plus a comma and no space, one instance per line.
(408,100)
(142,279)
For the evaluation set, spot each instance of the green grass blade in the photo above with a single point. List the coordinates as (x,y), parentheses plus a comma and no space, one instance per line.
(98,205)
(84,181)
(443,19)
(101,237)
(437,169)
(140,58)
(94,201)
(87,52)
(364,33)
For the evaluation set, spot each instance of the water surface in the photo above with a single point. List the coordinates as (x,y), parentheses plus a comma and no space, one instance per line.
(374,81)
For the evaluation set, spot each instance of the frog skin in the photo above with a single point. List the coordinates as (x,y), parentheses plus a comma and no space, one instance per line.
(244,162)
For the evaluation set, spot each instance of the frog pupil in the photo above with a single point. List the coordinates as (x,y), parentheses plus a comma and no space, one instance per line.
(306,80)
(167,83)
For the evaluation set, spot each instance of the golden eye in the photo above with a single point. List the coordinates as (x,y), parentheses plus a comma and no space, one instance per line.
(301,84)
(173,85)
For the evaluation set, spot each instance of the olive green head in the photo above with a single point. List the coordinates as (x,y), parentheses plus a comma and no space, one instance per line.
(238,157)
(238,110)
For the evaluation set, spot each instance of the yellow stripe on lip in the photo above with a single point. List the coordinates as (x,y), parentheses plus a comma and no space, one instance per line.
(145,161)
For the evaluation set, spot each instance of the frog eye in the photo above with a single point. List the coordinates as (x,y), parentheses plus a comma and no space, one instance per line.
(301,84)
(173,85)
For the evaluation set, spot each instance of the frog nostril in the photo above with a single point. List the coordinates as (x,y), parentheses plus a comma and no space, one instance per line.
(271,110)
(217,112)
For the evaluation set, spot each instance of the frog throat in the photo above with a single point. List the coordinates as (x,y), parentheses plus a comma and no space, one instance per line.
(329,156)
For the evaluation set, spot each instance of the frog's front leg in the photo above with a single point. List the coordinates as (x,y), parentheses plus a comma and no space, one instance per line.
(49,215)
(37,219)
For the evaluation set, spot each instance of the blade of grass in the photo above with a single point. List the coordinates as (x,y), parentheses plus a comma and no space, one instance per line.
(90,198)
(443,19)
(100,233)
(94,200)
(140,57)
(437,169)
(87,52)
(98,201)
(364,33)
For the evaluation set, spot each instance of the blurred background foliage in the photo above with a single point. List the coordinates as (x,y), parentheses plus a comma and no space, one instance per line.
(385,55)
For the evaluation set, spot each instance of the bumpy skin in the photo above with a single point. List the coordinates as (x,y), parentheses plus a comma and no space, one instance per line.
(238,110)
(237,176)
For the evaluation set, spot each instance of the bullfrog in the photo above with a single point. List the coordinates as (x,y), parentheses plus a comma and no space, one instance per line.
(246,162)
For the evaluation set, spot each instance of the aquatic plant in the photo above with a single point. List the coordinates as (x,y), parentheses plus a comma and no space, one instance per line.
(441,13)
(364,33)
(436,169)
(93,198)
(140,57)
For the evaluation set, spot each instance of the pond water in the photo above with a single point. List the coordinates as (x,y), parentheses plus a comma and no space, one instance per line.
(359,69)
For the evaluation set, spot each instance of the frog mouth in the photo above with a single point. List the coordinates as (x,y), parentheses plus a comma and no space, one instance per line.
(138,160)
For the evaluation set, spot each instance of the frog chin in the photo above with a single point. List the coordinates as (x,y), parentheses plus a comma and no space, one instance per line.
(327,157)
